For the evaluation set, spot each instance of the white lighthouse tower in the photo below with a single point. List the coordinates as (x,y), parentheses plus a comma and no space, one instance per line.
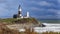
(20,12)
(19,15)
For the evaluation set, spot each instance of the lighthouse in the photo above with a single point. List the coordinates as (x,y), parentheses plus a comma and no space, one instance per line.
(19,12)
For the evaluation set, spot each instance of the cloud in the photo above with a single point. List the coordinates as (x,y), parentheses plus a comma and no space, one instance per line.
(44,3)
(8,7)
(58,12)
(58,1)
(39,8)
(46,13)
(54,11)
(43,8)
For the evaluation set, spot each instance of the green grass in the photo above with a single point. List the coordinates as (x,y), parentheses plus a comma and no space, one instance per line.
(27,20)
(24,20)
(7,20)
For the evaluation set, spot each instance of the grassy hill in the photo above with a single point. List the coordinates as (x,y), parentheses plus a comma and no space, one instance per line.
(23,20)
(7,20)
(26,20)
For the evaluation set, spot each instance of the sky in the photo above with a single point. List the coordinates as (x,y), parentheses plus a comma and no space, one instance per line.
(43,9)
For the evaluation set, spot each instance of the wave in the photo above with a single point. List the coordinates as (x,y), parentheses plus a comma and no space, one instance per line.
(49,27)
(52,24)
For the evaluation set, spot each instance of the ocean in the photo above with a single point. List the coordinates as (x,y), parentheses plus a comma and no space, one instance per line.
(49,20)
(50,26)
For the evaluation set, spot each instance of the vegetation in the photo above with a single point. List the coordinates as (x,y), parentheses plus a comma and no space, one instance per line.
(14,20)
(7,20)
(27,20)
(15,16)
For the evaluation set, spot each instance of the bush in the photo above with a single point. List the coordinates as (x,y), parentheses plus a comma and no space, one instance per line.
(15,16)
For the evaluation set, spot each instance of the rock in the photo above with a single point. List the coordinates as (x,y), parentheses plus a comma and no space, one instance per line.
(42,25)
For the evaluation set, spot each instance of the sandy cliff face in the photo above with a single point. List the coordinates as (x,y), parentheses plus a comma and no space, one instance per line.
(24,23)
(17,24)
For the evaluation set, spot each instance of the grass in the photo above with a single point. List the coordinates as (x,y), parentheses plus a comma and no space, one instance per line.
(13,20)
(27,20)
(7,20)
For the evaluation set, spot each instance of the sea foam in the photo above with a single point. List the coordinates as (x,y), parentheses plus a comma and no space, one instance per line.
(49,27)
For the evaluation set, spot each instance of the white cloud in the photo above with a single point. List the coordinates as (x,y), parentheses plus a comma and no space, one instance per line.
(52,10)
(7,7)
(48,10)
(58,1)
(44,3)
(57,12)
(37,9)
